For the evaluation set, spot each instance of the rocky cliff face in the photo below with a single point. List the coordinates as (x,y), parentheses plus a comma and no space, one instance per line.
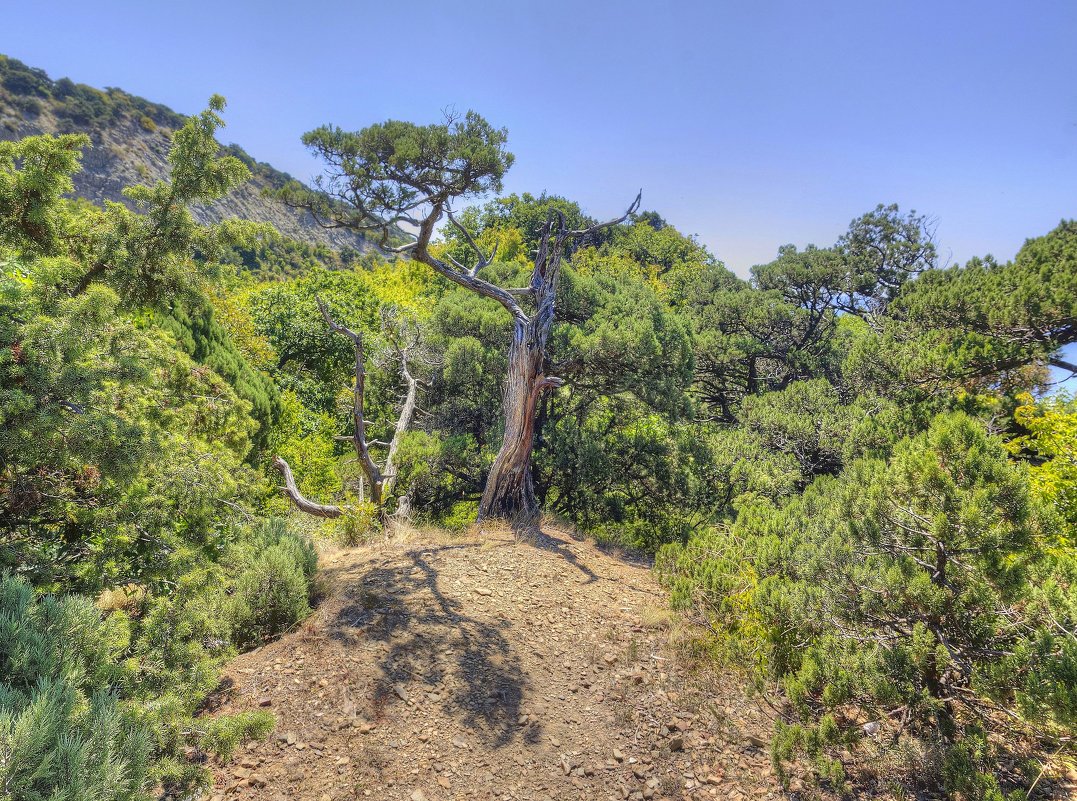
(130,142)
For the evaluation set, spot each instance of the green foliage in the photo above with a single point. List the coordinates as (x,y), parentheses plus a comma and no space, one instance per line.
(1051,442)
(383,168)
(272,592)
(806,421)
(198,332)
(223,734)
(911,585)
(105,704)
(129,421)
(62,733)
(460,515)
(983,325)
(34,173)
(268,255)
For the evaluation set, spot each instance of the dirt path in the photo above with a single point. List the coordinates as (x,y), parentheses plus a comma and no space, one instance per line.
(490,670)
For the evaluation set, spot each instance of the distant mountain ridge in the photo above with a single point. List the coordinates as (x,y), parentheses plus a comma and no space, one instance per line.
(131,138)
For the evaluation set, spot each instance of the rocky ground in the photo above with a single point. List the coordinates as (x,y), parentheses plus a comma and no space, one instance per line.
(485,668)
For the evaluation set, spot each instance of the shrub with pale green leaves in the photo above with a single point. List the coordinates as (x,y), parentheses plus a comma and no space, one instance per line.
(64,735)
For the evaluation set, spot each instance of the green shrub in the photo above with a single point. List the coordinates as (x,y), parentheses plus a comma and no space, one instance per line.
(273,586)
(460,515)
(358,524)
(63,734)
(223,734)
(916,589)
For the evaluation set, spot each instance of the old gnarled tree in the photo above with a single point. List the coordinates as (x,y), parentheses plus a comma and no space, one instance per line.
(402,336)
(395,174)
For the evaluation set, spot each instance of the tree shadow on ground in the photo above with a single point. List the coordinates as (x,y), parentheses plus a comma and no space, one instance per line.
(464,664)
(537,538)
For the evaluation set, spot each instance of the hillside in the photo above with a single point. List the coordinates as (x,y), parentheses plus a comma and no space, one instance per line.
(131,137)
(456,667)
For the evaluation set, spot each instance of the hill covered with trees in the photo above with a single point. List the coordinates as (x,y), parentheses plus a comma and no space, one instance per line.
(129,143)
(846,465)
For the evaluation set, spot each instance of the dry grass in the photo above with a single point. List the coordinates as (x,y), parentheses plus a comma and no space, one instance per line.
(656,617)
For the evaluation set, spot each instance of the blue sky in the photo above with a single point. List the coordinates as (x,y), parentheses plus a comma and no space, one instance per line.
(751,124)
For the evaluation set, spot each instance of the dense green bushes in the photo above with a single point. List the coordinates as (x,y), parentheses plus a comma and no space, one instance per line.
(63,733)
(916,595)
(103,702)
(130,427)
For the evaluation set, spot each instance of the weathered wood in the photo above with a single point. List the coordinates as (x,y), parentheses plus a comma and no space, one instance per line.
(380,478)
(509,491)
(292,491)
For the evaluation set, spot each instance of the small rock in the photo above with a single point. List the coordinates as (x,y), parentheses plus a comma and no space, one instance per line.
(620,757)
(676,743)
(265,702)
(418,795)
(401,693)
(256,780)
(483,591)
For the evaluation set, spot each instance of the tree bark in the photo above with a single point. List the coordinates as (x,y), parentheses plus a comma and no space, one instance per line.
(381,479)
(292,491)
(403,422)
(510,491)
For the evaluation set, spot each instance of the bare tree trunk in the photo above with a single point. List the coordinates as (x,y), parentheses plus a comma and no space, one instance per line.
(359,439)
(510,491)
(380,479)
(302,503)
(403,422)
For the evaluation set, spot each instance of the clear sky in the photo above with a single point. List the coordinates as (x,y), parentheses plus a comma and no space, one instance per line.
(751,124)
